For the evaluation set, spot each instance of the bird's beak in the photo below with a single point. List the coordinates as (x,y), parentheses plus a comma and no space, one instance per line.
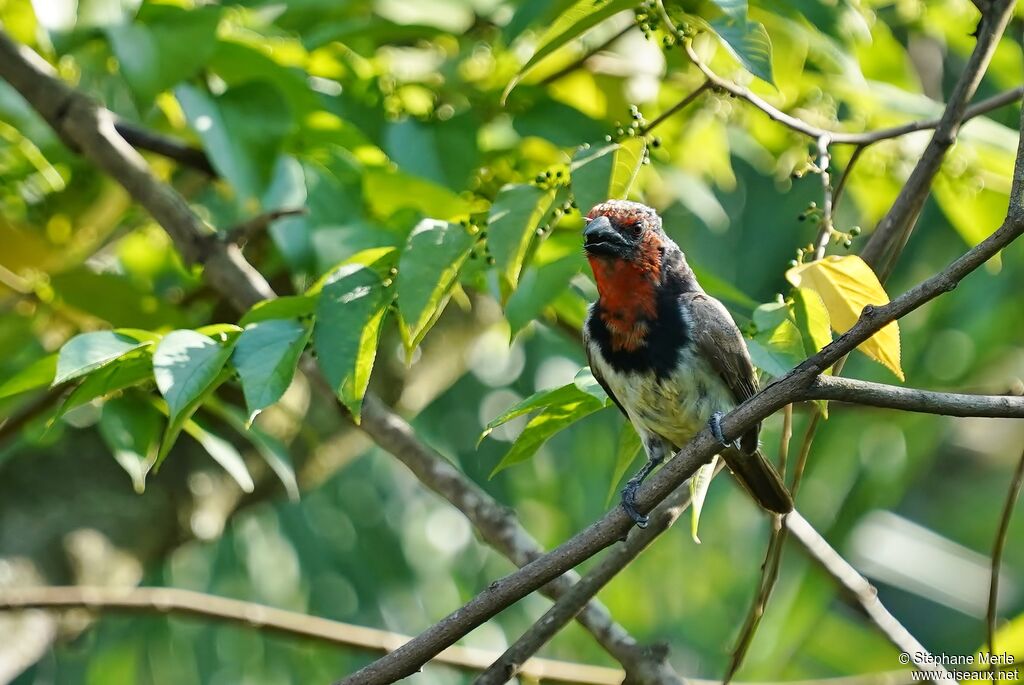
(600,238)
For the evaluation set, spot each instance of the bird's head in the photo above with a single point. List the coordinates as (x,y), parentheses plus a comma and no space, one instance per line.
(626,247)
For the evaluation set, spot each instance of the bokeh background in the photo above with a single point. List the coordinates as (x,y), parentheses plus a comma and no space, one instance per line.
(373,114)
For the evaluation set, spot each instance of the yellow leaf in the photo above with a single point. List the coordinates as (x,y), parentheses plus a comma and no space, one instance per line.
(846,285)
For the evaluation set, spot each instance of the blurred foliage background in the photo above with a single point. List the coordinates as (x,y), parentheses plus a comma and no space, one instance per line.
(375,115)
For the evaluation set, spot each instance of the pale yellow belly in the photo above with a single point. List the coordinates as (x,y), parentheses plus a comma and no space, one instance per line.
(675,408)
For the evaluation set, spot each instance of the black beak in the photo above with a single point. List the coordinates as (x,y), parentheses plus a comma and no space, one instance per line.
(601,238)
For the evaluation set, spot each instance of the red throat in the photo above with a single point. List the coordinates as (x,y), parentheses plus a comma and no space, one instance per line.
(627,292)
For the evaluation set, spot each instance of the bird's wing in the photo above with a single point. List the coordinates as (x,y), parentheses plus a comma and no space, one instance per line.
(719,341)
(597,372)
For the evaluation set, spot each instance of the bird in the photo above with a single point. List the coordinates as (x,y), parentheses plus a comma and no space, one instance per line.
(669,355)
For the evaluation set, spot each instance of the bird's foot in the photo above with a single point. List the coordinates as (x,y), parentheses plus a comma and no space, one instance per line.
(715,423)
(629,503)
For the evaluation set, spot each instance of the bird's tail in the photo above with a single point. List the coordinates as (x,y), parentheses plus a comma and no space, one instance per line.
(757,475)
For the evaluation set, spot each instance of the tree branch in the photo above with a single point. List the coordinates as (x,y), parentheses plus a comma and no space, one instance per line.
(87,127)
(174,601)
(912,399)
(183,153)
(676,108)
(997,553)
(865,594)
(577,63)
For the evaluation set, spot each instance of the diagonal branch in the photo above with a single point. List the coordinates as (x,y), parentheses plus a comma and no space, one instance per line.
(997,554)
(89,128)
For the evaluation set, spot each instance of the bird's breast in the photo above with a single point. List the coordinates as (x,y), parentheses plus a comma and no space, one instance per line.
(675,406)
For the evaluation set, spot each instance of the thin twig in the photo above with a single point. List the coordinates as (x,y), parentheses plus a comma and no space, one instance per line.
(865,594)
(841,185)
(997,555)
(241,233)
(577,63)
(675,108)
(175,601)
(825,228)
(183,153)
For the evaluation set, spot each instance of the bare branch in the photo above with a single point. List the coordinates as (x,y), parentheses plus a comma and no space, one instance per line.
(87,127)
(841,185)
(997,554)
(174,601)
(243,232)
(577,63)
(681,105)
(912,399)
(183,153)
(865,594)
(825,229)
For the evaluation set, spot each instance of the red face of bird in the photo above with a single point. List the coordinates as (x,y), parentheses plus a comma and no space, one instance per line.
(624,243)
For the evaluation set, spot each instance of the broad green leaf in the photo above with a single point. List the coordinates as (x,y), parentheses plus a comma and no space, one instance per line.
(734,9)
(270,448)
(388,191)
(427,270)
(777,350)
(625,454)
(187,366)
(221,332)
(586,382)
(572,23)
(811,319)
(38,374)
(242,131)
(222,452)
(603,173)
(699,484)
(846,285)
(538,287)
(545,424)
(265,356)
(131,429)
(289,307)
(748,42)
(566,394)
(164,46)
(90,351)
(768,316)
(349,313)
(512,223)
(132,369)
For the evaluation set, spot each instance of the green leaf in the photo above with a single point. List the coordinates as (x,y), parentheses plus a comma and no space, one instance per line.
(427,271)
(223,452)
(90,351)
(38,374)
(603,173)
(131,430)
(776,351)
(349,313)
(289,307)
(811,319)
(242,131)
(572,23)
(512,223)
(542,426)
(265,356)
(132,369)
(387,191)
(734,9)
(586,382)
(164,46)
(537,289)
(566,394)
(625,454)
(749,43)
(187,366)
(699,484)
(270,448)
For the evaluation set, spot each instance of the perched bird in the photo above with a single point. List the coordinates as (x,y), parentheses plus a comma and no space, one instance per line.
(667,353)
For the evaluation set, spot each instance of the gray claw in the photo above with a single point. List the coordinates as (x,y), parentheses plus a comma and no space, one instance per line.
(629,504)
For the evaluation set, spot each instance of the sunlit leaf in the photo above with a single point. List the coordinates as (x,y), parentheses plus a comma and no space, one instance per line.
(187,365)
(427,270)
(349,313)
(289,307)
(777,350)
(222,452)
(38,374)
(749,43)
(90,351)
(572,23)
(603,173)
(538,287)
(512,224)
(735,9)
(699,484)
(265,356)
(549,421)
(811,318)
(565,394)
(846,285)
(134,368)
